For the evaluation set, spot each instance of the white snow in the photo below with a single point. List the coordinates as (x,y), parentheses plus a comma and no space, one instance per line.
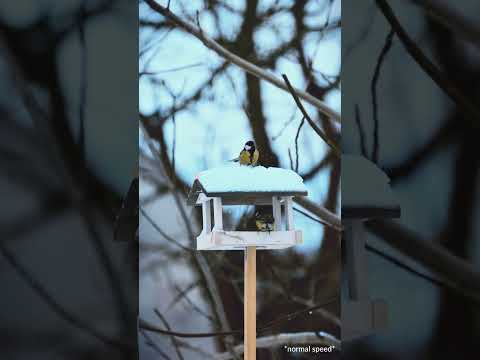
(239,178)
(364,184)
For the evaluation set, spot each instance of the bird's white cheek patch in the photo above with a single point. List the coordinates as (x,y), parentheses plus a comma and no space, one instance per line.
(247,147)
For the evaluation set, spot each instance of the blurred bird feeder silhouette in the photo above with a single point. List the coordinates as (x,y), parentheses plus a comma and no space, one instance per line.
(366,195)
(246,185)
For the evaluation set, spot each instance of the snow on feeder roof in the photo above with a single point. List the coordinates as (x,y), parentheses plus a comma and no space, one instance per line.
(237,184)
(366,191)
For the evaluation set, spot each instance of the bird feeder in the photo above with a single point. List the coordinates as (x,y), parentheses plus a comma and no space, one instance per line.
(366,195)
(246,185)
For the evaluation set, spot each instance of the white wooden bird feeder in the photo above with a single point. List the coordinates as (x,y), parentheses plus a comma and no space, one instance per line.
(366,195)
(246,185)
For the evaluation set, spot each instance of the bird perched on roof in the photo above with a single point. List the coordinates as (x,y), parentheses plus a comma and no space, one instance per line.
(249,155)
(264,222)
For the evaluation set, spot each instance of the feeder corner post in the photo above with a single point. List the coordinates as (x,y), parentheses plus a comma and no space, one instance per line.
(277,213)
(206,217)
(218,213)
(289,213)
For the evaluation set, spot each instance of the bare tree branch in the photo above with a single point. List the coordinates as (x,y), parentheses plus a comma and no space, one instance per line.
(143,324)
(247,66)
(428,253)
(429,67)
(172,338)
(326,161)
(149,341)
(326,215)
(446,284)
(312,218)
(451,19)
(314,126)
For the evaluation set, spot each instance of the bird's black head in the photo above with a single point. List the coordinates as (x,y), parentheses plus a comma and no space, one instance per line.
(249,146)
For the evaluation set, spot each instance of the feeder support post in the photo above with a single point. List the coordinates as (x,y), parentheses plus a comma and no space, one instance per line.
(250,304)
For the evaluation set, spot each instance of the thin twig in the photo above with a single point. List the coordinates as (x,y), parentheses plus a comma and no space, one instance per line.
(174,136)
(143,324)
(361,131)
(179,68)
(290,158)
(376,76)
(181,294)
(161,232)
(172,338)
(320,221)
(314,126)
(442,137)
(296,143)
(327,160)
(149,341)
(186,345)
(193,306)
(307,311)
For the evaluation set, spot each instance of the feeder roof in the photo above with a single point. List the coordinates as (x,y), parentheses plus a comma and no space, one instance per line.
(237,184)
(366,191)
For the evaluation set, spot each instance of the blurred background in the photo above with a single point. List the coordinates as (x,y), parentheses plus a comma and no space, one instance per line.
(197,111)
(68,152)
(428,145)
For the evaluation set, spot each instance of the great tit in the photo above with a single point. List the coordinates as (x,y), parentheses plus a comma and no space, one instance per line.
(264,222)
(249,155)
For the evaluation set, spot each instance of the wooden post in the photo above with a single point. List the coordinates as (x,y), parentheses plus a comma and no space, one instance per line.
(250,304)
